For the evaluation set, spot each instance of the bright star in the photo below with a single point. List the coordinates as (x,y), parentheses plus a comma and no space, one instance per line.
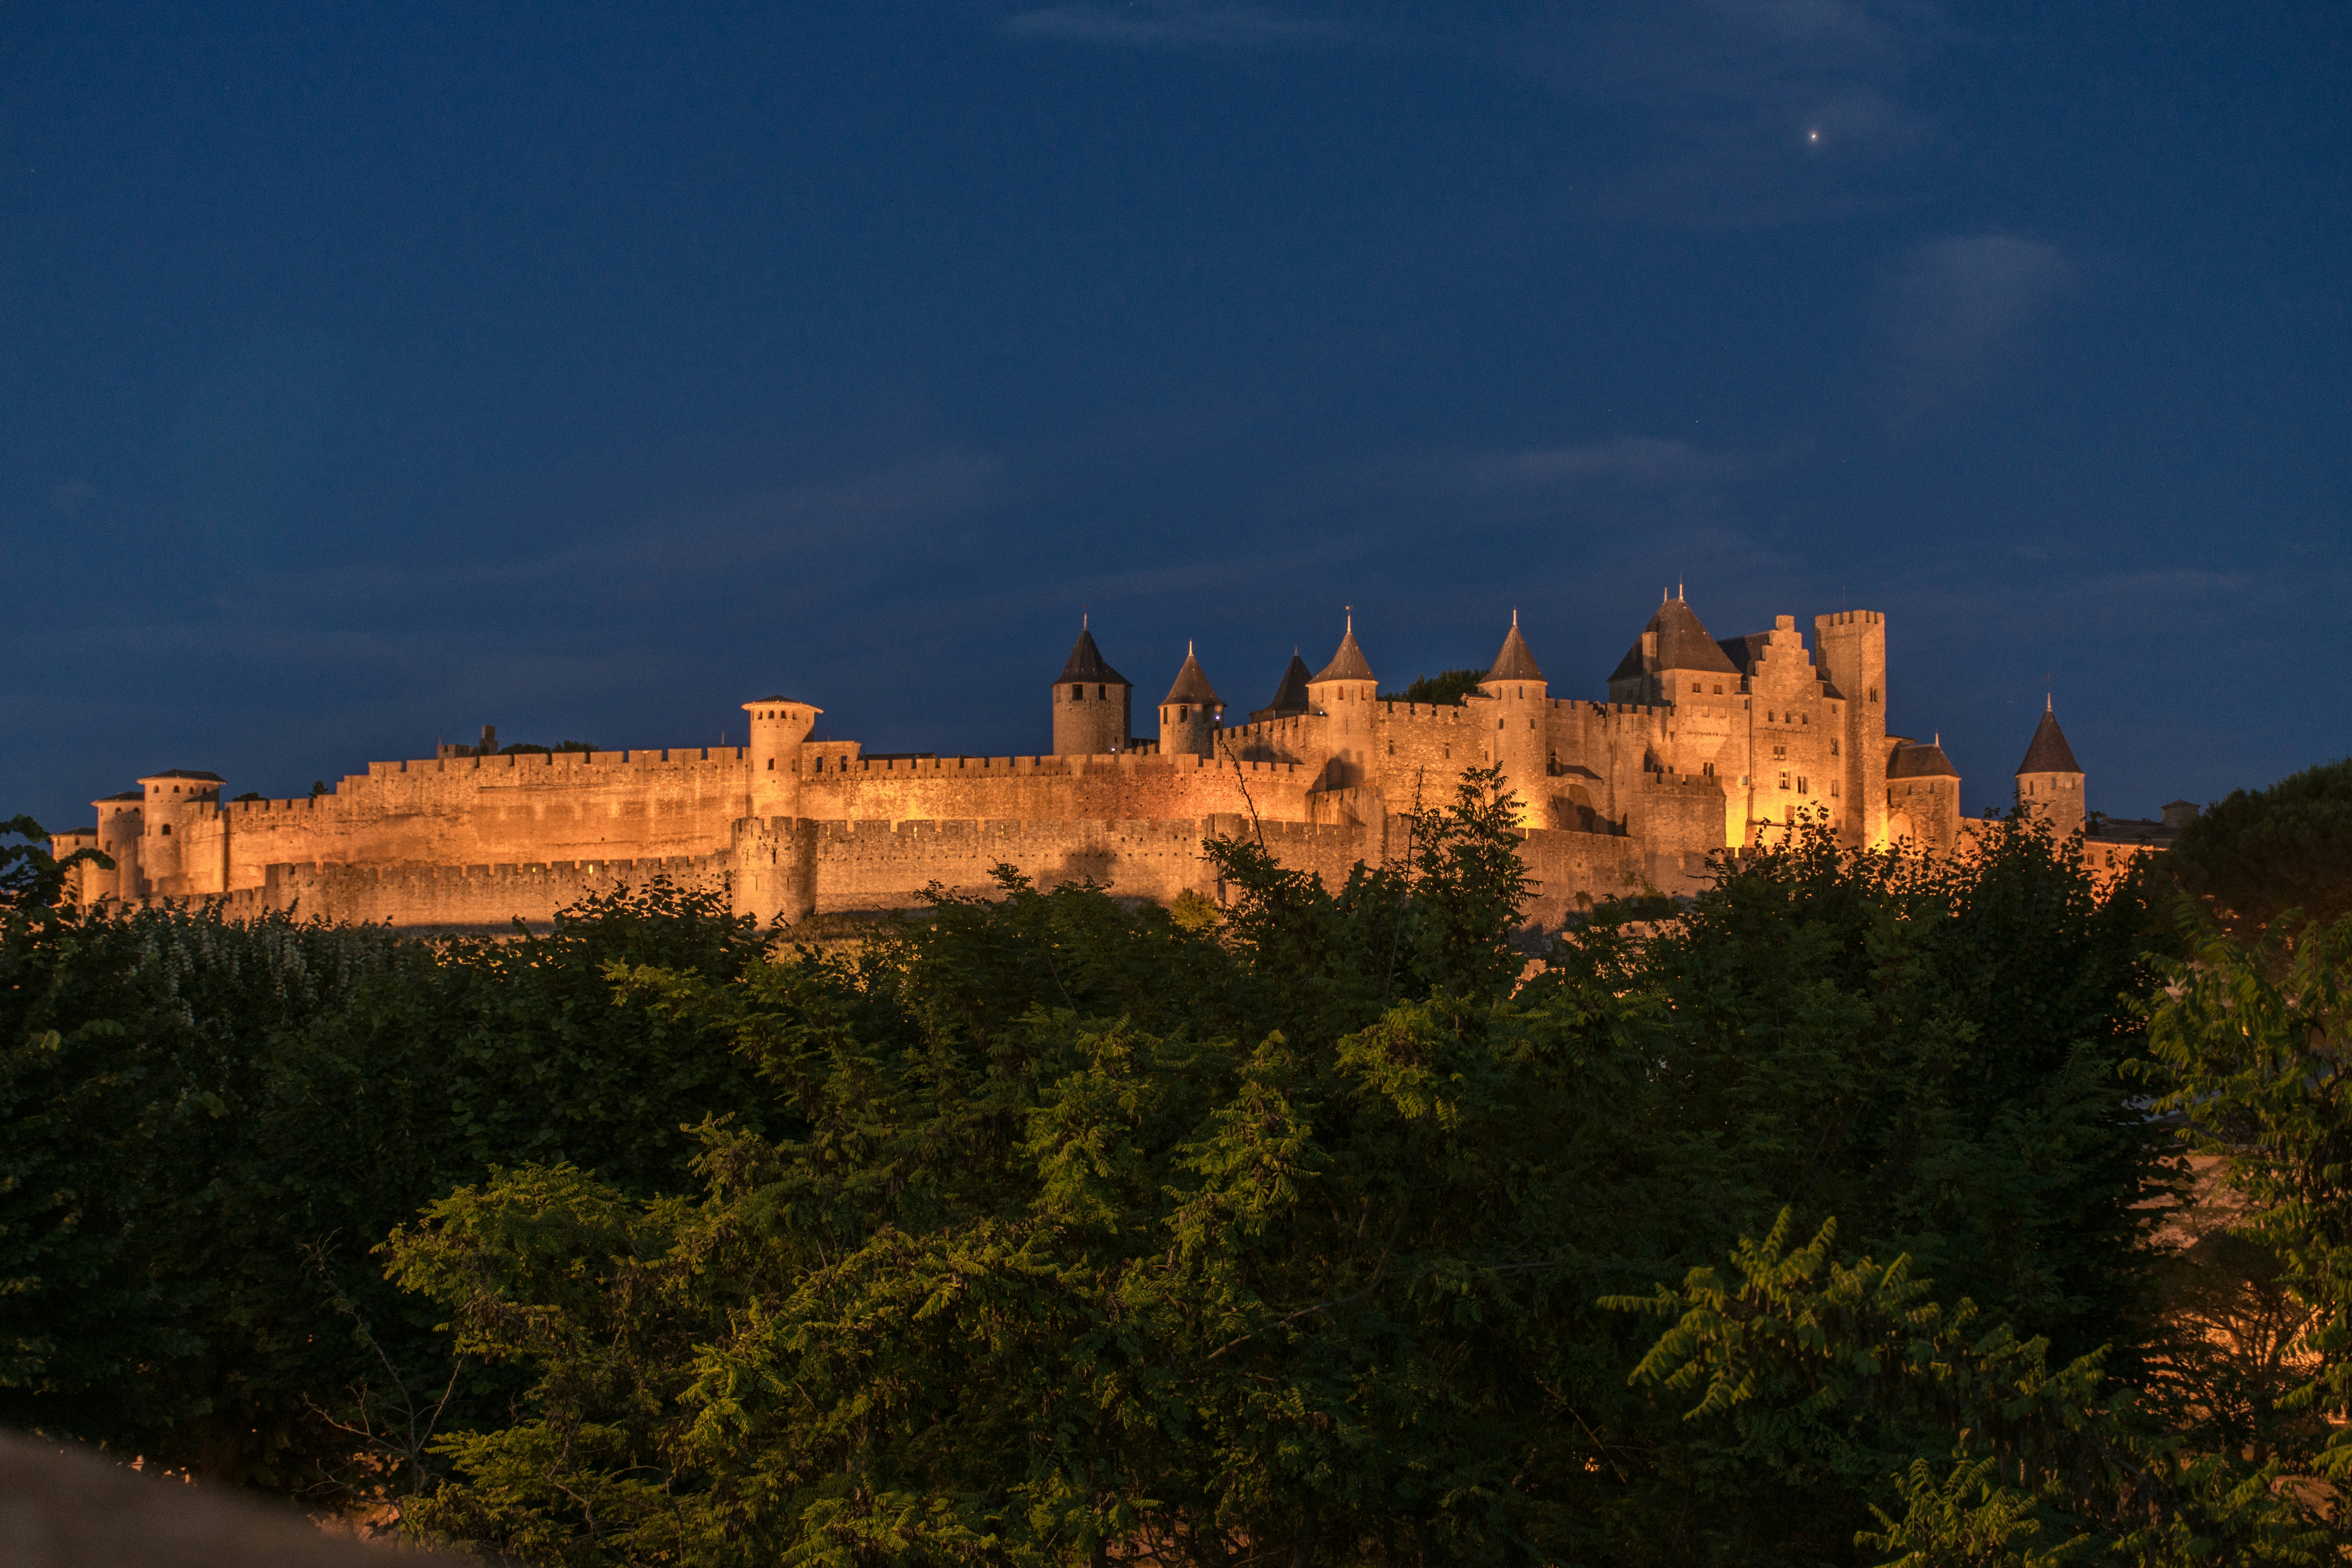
(1812,135)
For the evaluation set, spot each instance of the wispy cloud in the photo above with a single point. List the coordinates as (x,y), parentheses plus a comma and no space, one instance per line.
(1175,24)
(1956,309)
(1740,113)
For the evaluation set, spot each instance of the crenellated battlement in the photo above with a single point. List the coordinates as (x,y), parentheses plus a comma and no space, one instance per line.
(1075,766)
(555,763)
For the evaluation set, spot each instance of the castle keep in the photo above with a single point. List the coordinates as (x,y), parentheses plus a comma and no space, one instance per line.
(1702,744)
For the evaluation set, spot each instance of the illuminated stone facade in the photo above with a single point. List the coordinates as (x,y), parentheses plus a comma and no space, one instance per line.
(1701,745)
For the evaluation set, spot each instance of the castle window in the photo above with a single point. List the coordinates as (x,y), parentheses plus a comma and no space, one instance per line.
(1077,694)
(167,830)
(1874,694)
(771,764)
(1806,718)
(1102,693)
(1802,787)
(1832,789)
(1833,751)
(1784,780)
(1719,688)
(1706,770)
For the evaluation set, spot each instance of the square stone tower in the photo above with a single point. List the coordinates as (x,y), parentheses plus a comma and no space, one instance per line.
(1851,647)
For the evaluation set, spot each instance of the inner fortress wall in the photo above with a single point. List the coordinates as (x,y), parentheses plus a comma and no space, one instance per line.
(525,808)
(1054,789)
(478,899)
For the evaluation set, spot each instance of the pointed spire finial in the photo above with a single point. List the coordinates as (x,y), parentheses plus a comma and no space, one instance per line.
(1678,588)
(1351,619)
(1514,615)
(1082,617)
(1188,647)
(2045,703)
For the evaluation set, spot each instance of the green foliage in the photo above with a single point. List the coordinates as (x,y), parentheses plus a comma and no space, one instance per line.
(2249,1046)
(532,748)
(204,1127)
(1078,1233)
(1847,1370)
(2260,854)
(1044,1229)
(1447,688)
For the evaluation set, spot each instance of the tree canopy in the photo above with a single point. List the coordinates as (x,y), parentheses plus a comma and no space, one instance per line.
(1836,1216)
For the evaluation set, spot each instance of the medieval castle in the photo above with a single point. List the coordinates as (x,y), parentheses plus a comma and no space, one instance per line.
(1702,744)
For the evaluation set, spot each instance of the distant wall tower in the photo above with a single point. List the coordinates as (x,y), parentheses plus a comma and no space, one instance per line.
(779,725)
(1521,742)
(1093,703)
(1345,689)
(1850,647)
(170,864)
(1189,714)
(2050,781)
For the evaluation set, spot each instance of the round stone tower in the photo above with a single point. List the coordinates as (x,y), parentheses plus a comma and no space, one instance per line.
(1189,714)
(1093,703)
(779,725)
(173,803)
(1519,742)
(1344,691)
(2050,781)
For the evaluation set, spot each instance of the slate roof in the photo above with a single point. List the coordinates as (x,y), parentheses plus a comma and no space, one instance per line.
(2049,753)
(1682,644)
(1290,697)
(1193,685)
(1914,760)
(1348,663)
(1514,662)
(183,773)
(1086,663)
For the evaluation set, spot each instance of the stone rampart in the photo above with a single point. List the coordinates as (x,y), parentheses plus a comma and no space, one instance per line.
(486,899)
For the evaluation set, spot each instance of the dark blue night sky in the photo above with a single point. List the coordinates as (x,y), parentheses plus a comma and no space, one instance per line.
(368,374)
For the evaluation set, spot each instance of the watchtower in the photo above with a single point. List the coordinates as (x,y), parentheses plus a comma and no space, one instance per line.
(170,804)
(1518,744)
(2050,781)
(773,758)
(1344,689)
(1851,648)
(1190,713)
(1093,703)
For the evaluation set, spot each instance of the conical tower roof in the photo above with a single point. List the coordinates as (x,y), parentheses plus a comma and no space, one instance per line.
(1514,662)
(1348,663)
(1193,685)
(1290,697)
(2049,753)
(1085,662)
(1682,644)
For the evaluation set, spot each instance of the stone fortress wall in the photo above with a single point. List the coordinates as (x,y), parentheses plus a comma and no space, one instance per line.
(1701,745)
